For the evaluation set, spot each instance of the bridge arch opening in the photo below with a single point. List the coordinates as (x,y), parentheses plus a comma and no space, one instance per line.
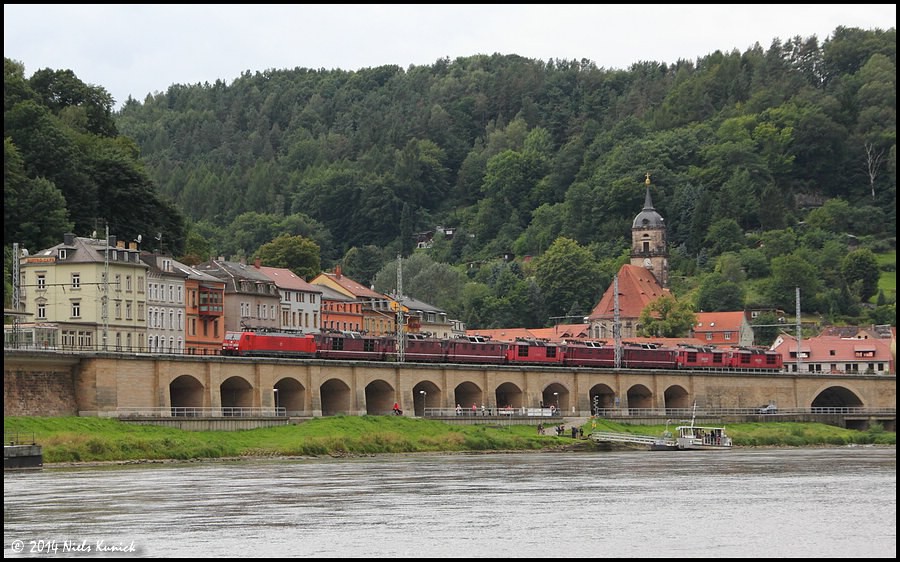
(836,397)
(639,397)
(509,394)
(379,398)
(335,397)
(290,395)
(602,397)
(556,395)
(186,391)
(467,394)
(676,396)
(236,392)
(431,398)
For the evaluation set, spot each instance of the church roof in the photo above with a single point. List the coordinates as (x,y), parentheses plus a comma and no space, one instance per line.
(637,288)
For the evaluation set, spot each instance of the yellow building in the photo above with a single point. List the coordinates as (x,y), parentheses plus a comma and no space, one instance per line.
(93,290)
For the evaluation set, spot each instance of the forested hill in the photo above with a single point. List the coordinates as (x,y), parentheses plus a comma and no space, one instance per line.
(518,151)
(517,154)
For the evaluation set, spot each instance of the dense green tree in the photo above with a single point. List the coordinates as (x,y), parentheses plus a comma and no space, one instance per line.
(765,329)
(789,273)
(568,277)
(860,270)
(362,264)
(34,211)
(725,235)
(666,318)
(299,254)
(718,294)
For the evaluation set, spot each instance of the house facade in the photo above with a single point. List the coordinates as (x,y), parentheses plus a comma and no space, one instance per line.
(378,317)
(835,354)
(423,318)
(251,298)
(301,302)
(723,329)
(93,292)
(165,304)
(204,311)
(340,312)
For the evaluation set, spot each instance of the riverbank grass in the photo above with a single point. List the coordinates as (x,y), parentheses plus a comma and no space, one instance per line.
(84,439)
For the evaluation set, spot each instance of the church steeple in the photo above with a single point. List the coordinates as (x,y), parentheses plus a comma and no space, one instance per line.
(648,239)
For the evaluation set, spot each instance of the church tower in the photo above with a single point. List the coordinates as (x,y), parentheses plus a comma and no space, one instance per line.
(648,241)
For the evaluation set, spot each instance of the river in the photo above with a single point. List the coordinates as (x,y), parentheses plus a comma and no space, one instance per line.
(835,502)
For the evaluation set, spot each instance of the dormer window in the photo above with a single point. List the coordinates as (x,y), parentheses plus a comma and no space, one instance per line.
(63,253)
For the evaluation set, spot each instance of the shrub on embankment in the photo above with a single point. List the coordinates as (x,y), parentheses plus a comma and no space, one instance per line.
(83,439)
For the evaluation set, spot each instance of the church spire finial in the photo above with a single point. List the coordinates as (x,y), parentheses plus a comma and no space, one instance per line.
(647,181)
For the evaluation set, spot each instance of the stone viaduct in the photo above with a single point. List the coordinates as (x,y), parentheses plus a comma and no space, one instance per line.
(107,384)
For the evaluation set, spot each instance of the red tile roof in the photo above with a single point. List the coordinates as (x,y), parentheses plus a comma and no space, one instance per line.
(719,321)
(286,279)
(637,288)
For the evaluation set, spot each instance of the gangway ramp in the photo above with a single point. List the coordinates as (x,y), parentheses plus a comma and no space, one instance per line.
(612,437)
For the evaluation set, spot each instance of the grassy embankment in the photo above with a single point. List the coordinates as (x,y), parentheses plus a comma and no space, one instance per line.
(76,439)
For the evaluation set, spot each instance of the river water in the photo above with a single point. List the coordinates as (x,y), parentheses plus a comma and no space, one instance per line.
(836,502)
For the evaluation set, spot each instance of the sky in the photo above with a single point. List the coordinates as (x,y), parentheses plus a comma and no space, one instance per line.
(139,49)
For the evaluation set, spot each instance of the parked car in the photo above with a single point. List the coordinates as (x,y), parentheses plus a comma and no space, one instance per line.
(768,409)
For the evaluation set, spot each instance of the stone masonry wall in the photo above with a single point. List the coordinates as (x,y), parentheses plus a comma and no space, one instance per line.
(43,393)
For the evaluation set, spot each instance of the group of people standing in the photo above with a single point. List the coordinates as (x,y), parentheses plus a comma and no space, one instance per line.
(484,411)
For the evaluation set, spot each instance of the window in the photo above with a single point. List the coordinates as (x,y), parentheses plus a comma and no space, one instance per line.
(727,336)
(85,340)
(709,336)
(42,311)
(76,309)
(128,283)
(41,282)
(118,281)
(62,253)
(128,311)
(140,311)
(76,280)
(140,283)
(118,309)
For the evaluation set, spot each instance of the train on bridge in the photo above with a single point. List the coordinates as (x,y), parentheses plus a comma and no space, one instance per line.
(479,350)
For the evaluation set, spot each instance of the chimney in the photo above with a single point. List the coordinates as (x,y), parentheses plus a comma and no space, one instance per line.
(132,245)
(111,241)
(69,239)
(120,244)
(337,271)
(256,263)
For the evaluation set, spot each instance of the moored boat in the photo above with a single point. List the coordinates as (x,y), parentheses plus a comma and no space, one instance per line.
(693,437)
(701,438)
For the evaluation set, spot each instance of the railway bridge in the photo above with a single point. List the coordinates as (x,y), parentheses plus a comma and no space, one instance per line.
(52,383)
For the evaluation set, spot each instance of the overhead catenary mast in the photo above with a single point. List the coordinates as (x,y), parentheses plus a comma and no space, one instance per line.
(401,336)
(104,288)
(799,335)
(617,329)
(16,301)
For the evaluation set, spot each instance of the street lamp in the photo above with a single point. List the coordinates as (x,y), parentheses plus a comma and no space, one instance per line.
(556,399)
(424,394)
(275,394)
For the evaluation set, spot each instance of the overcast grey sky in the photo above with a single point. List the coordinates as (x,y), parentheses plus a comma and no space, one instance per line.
(139,49)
